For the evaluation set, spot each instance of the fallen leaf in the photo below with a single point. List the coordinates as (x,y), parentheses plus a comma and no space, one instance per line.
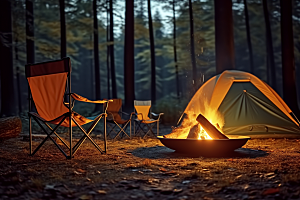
(81,171)
(271,191)
(85,197)
(170,172)
(177,190)
(101,192)
(163,169)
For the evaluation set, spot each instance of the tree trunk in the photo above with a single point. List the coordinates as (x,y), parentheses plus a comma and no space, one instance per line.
(248,37)
(107,52)
(152,55)
(10,127)
(18,75)
(96,57)
(270,53)
(192,47)
(112,54)
(8,106)
(175,53)
(288,59)
(63,40)
(129,55)
(30,51)
(224,36)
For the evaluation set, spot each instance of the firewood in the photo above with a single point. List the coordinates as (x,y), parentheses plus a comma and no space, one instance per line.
(10,127)
(211,130)
(194,132)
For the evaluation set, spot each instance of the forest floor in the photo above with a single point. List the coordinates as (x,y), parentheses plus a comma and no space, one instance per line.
(145,169)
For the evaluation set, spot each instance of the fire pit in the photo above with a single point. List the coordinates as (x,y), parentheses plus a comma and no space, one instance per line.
(202,138)
(204,147)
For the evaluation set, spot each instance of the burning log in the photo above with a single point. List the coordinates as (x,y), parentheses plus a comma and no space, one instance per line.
(194,132)
(211,130)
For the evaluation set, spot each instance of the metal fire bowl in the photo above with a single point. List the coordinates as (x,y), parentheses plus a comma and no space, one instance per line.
(204,147)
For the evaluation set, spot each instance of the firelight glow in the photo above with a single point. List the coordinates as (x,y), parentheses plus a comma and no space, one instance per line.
(203,134)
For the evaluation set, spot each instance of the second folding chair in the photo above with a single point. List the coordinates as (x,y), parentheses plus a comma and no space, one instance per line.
(143,121)
(115,122)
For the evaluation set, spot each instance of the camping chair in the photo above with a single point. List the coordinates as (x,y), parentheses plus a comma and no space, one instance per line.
(49,82)
(115,120)
(143,121)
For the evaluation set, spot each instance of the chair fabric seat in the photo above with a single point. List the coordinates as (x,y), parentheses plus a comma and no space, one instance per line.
(81,120)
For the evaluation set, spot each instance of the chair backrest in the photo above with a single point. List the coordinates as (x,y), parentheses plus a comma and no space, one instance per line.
(114,108)
(142,108)
(47,82)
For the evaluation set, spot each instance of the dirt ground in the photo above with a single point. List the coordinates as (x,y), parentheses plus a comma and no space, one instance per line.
(145,169)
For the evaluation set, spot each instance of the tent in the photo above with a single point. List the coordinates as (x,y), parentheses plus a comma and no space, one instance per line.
(247,105)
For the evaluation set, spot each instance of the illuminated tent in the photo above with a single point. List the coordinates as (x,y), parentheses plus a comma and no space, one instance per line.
(249,105)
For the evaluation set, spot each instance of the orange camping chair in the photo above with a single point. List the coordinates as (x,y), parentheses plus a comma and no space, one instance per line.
(49,82)
(143,121)
(115,120)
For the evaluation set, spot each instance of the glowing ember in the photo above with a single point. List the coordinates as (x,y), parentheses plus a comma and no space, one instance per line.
(203,135)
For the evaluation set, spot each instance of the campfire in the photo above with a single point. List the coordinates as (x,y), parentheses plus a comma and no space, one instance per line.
(200,127)
(201,134)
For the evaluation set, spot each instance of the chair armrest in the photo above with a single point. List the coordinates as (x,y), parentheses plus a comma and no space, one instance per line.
(136,114)
(121,112)
(157,115)
(77,97)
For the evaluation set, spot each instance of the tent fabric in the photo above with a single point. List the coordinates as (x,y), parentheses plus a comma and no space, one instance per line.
(249,106)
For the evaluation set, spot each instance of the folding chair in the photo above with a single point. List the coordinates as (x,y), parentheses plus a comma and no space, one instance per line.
(144,122)
(115,120)
(49,82)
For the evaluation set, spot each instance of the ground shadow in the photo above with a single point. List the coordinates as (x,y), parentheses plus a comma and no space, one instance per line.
(158,152)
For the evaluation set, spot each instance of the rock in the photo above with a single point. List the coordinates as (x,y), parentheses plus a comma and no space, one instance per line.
(186,182)
(149,194)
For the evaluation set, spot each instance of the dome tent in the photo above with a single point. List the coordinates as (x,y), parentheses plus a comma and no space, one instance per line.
(248,105)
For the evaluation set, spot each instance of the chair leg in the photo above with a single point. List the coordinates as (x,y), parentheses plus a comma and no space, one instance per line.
(49,136)
(105,139)
(70,136)
(157,126)
(86,135)
(30,136)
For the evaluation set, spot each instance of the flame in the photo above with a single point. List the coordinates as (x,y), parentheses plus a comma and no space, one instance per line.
(203,135)
(190,124)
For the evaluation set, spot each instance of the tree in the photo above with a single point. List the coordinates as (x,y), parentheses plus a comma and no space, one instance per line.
(63,40)
(192,47)
(224,36)
(107,51)
(29,31)
(96,56)
(248,37)
(174,48)
(129,55)
(270,53)
(288,59)
(6,70)
(111,52)
(152,54)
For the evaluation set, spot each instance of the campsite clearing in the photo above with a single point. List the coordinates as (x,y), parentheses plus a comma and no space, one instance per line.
(144,169)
